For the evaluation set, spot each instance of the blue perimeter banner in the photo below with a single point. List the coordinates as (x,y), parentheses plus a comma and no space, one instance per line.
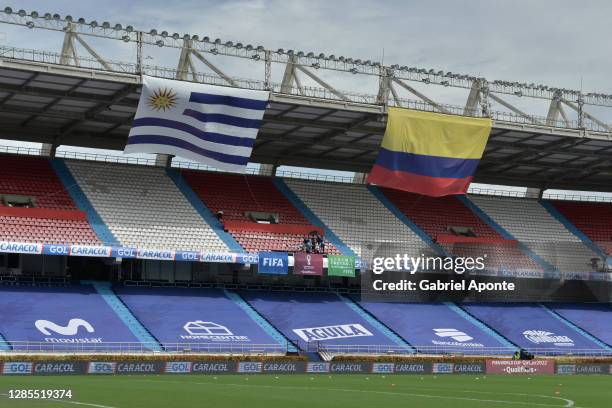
(126,252)
(237,258)
(273,263)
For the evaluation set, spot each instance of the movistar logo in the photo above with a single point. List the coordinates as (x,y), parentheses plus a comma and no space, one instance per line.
(72,328)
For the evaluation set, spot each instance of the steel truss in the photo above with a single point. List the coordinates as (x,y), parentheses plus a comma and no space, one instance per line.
(299,65)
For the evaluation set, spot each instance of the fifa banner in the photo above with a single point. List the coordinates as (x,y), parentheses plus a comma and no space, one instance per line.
(213,125)
(273,263)
(307,264)
(341,265)
(429,153)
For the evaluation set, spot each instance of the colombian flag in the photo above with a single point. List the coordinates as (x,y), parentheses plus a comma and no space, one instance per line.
(429,153)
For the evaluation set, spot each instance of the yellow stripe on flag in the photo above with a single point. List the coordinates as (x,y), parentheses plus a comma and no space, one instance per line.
(436,134)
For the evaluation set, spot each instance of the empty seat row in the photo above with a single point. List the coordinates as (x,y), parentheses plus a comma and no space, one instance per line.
(143,207)
(534,226)
(358,218)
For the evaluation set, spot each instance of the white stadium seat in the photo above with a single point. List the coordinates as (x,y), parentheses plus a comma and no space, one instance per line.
(358,218)
(143,207)
(532,225)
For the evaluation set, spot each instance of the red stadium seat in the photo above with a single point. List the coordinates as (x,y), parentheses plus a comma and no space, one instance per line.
(436,215)
(593,219)
(34,177)
(236,195)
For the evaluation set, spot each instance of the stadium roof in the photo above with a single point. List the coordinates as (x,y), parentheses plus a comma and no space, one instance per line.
(82,98)
(67,105)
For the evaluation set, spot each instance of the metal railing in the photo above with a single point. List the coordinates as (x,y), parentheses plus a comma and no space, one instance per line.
(144,161)
(440,350)
(10,346)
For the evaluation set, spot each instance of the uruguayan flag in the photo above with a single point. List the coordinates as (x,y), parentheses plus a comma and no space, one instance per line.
(214,125)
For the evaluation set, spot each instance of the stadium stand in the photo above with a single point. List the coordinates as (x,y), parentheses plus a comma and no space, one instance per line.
(357,217)
(594,318)
(531,224)
(438,328)
(241,198)
(326,319)
(199,320)
(35,206)
(534,327)
(459,231)
(593,219)
(61,318)
(143,207)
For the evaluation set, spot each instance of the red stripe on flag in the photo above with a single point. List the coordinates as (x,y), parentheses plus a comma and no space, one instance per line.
(414,183)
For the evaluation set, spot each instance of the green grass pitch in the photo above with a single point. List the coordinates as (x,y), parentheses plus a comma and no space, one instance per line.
(314,391)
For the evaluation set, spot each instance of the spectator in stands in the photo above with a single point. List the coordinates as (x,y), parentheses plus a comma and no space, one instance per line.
(307,245)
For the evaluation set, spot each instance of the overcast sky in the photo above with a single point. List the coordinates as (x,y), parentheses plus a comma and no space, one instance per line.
(556,42)
(559,43)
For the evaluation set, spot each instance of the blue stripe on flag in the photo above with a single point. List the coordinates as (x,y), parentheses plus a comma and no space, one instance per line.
(233,101)
(171,141)
(223,119)
(206,136)
(431,166)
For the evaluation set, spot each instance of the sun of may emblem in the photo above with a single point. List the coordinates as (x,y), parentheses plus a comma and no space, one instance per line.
(162,99)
